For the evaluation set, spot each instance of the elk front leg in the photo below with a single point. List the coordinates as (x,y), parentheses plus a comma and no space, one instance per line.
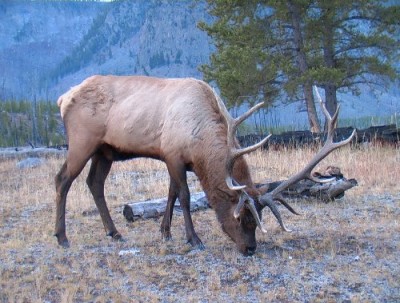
(177,173)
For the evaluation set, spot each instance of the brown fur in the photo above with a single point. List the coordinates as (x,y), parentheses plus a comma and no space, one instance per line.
(178,121)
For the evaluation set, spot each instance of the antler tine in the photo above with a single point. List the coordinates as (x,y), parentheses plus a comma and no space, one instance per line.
(332,121)
(234,151)
(287,205)
(237,152)
(247,114)
(240,205)
(229,122)
(228,118)
(246,200)
(251,206)
(268,199)
(229,183)
(234,123)
(272,206)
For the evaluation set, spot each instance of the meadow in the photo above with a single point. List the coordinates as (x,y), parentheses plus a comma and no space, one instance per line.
(343,251)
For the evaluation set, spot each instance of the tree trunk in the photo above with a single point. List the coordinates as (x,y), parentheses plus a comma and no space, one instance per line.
(303,66)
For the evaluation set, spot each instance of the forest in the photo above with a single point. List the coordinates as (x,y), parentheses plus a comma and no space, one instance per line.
(36,123)
(268,50)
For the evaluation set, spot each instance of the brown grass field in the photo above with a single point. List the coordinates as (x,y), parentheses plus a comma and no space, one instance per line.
(343,251)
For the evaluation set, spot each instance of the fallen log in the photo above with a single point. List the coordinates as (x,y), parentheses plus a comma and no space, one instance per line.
(156,208)
(325,192)
(384,134)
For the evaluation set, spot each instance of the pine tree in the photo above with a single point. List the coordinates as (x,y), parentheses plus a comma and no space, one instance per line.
(359,43)
(260,52)
(243,71)
(269,49)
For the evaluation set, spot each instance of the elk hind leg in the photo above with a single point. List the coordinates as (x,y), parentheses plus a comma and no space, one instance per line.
(167,219)
(63,181)
(98,173)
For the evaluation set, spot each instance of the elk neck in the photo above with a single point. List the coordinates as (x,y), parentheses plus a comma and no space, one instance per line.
(210,168)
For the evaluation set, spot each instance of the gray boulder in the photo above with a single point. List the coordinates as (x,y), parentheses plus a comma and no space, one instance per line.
(30,163)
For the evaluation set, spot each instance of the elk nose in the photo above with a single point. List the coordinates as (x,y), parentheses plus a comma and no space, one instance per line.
(250,250)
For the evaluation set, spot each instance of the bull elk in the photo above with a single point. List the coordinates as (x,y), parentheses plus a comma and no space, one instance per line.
(182,122)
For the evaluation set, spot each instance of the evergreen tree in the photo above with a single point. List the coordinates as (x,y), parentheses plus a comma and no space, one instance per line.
(359,40)
(261,53)
(243,71)
(23,122)
(271,48)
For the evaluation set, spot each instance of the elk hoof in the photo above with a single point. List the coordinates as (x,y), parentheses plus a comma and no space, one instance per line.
(115,236)
(200,246)
(120,239)
(166,235)
(62,241)
(250,251)
(197,244)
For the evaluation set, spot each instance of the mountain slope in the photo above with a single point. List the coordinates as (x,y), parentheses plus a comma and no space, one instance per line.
(150,38)
(36,36)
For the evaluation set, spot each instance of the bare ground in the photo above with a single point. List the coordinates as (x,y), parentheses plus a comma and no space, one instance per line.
(345,251)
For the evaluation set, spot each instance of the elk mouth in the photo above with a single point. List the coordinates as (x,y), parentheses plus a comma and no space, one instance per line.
(246,250)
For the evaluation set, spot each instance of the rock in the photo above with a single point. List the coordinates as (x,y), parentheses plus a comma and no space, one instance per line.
(132,252)
(30,163)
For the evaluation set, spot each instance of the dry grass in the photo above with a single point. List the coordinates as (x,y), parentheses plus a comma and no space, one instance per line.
(342,251)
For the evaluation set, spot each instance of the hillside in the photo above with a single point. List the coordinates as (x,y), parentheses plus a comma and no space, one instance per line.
(48,46)
(67,41)
(35,37)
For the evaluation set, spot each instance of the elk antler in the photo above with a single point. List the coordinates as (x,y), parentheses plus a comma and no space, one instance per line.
(233,151)
(269,198)
(245,199)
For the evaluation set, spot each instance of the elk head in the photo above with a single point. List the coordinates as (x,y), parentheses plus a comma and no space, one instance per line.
(243,219)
